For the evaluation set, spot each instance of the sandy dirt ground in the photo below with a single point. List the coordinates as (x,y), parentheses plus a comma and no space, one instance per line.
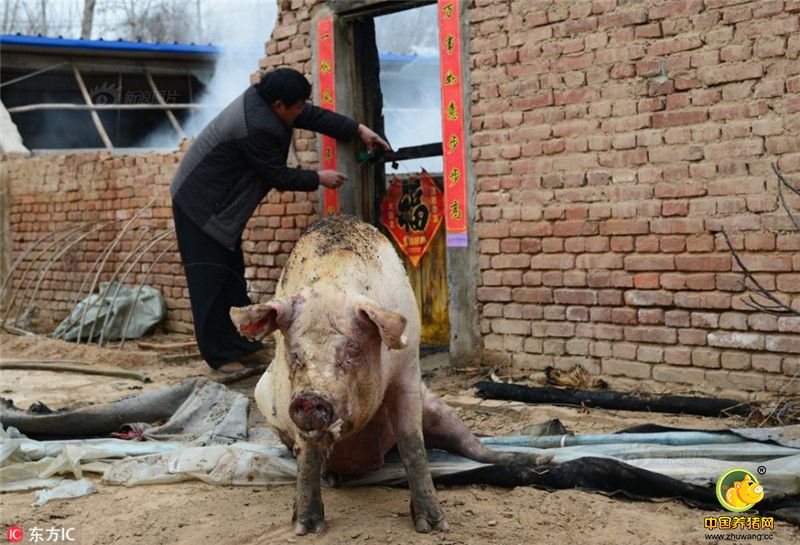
(194,513)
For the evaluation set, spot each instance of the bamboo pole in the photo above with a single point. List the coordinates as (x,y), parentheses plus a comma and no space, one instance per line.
(95,117)
(160,99)
(166,346)
(73,367)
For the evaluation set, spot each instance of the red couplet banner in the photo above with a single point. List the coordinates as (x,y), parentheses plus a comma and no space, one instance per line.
(327,99)
(454,153)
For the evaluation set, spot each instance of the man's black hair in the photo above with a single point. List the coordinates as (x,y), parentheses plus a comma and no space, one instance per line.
(284,84)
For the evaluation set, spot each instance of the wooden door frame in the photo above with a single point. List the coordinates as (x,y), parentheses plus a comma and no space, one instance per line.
(350,36)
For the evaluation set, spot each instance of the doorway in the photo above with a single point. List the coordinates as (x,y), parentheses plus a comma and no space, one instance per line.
(387,76)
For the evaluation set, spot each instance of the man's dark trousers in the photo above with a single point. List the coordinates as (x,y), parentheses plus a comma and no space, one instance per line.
(215,276)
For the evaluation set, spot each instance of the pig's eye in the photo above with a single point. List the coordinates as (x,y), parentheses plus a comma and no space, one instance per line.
(295,359)
(354,357)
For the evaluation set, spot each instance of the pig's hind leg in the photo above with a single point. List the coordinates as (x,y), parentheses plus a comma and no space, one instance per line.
(444,430)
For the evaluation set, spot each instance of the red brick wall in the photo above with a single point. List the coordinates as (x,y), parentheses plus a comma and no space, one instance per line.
(612,141)
(58,192)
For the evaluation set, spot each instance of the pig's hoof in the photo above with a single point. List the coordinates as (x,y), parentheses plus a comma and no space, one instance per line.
(524,458)
(541,459)
(429,517)
(312,526)
(544,459)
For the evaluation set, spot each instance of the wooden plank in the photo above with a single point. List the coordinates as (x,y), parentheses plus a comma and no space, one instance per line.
(373,8)
(95,116)
(160,99)
(434,294)
(415,278)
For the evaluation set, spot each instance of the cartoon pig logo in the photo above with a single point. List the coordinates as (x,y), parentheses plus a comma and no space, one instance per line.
(738,490)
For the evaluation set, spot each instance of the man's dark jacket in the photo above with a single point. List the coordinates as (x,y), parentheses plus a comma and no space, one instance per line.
(239,157)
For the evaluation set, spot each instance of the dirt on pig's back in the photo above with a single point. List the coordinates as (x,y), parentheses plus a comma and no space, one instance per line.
(341,240)
(343,232)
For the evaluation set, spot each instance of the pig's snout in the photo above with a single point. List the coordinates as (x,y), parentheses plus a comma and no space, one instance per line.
(311,411)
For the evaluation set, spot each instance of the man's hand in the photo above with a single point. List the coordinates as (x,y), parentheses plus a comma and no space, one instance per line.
(371,138)
(331,179)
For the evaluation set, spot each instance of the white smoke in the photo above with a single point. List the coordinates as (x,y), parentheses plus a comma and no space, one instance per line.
(240,28)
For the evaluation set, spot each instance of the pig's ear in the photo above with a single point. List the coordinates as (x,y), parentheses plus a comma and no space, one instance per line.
(258,321)
(390,325)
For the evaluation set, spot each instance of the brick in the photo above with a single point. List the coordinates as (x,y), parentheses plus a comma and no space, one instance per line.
(511,327)
(599,261)
(677,355)
(626,368)
(772,263)
(783,343)
(748,341)
(646,281)
(650,354)
(663,335)
(553,261)
(747,381)
(737,360)
(702,300)
(734,148)
(575,297)
(675,208)
(624,316)
(531,295)
(493,294)
(648,298)
(676,225)
(729,72)
(703,262)
(705,358)
(649,263)
(789,324)
(682,375)
(679,118)
(708,320)
(733,320)
(766,362)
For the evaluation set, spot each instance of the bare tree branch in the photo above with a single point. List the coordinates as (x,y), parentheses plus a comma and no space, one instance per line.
(783,183)
(772,305)
(88,17)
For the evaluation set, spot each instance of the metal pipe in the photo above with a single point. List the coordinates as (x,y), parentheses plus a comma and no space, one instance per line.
(152,242)
(92,107)
(102,296)
(107,252)
(139,292)
(664,438)
(31,263)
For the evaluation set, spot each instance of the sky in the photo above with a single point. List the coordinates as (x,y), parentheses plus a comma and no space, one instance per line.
(63,18)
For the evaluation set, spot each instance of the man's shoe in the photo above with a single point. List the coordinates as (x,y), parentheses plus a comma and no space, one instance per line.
(259,357)
(231,367)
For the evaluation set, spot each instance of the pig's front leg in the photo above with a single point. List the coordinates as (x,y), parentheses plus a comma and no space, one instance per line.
(406,415)
(309,513)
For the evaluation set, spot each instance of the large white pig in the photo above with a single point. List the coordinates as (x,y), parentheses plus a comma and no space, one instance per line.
(344,386)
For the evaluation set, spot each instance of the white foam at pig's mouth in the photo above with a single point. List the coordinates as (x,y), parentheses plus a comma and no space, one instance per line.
(330,434)
(335,429)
